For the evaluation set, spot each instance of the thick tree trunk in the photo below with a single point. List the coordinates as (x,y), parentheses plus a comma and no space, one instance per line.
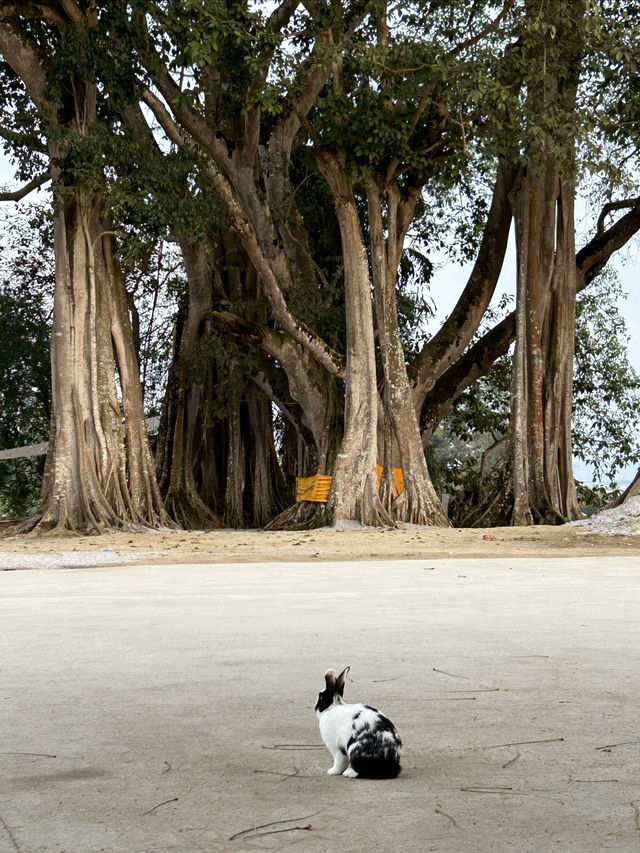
(418,502)
(263,477)
(99,472)
(541,487)
(354,489)
(542,482)
(183,424)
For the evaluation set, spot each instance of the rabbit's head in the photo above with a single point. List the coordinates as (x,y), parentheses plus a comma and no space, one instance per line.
(333,691)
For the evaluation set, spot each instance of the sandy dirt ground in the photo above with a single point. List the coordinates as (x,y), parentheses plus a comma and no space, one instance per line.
(154,708)
(226,546)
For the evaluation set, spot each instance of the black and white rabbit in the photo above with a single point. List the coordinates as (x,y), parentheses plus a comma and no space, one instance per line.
(362,741)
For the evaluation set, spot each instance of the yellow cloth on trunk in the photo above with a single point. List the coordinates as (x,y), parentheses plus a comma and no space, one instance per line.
(316,488)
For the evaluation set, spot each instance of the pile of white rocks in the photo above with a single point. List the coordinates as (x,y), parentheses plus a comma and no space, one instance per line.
(619,521)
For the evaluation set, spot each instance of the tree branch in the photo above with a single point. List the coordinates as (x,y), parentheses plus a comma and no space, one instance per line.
(193,124)
(18,195)
(479,358)
(34,144)
(473,40)
(471,366)
(311,78)
(459,328)
(164,118)
(240,223)
(278,19)
(593,257)
(72,11)
(24,61)
(609,208)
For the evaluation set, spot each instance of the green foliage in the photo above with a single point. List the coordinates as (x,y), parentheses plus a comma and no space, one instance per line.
(26,289)
(21,130)
(593,498)
(155,283)
(606,419)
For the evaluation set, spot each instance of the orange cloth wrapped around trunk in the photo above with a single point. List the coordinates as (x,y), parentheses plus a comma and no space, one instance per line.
(316,488)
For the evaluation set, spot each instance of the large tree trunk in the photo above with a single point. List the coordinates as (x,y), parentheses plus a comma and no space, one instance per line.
(99,472)
(182,422)
(540,486)
(540,431)
(418,502)
(354,489)
(264,482)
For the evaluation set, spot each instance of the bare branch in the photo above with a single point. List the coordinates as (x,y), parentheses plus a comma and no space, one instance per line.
(479,358)
(164,118)
(18,195)
(493,25)
(594,256)
(610,207)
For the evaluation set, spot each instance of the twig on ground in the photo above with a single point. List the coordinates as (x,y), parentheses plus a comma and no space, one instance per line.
(450,674)
(525,742)
(512,760)
(470,690)
(168,767)
(491,789)
(274,823)
(636,810)
(380,680)
(486,789)
(592,780)
(172,800)
(287,746)
(610,746)
(284,776)
(444,814)
(454,699)
(37,754)
(12,837)
(276,831)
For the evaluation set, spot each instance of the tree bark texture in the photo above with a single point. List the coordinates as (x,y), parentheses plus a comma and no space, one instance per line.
(540,430)
(418,502)
(354,489)
(99,472)
(182,426)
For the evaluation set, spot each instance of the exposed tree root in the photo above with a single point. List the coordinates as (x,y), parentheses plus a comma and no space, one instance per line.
(303,515)
(190,511)
(370,510)
(43,525)
(414,506)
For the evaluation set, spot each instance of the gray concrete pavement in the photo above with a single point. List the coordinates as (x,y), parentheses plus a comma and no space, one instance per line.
(178,703)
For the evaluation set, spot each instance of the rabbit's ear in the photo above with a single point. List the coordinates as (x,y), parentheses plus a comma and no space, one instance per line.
(339,686)
(330,679)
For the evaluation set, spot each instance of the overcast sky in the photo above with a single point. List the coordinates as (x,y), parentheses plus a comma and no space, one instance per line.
(449,281)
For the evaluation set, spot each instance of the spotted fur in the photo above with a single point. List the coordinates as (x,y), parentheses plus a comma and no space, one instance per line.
(362,741)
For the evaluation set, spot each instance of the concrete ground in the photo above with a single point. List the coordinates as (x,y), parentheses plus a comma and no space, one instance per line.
(169,708)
